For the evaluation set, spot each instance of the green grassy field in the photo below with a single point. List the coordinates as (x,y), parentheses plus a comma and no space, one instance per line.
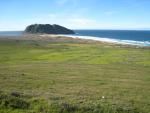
(73,77)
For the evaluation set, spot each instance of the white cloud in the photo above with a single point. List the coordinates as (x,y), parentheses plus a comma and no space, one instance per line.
(109,13)
(63,2)
(12,26)
(72,21)
(52,15)
(80,21)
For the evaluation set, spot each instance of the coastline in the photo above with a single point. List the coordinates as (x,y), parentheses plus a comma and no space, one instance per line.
(77,39)
(97,40)
(131,38)
(110,40)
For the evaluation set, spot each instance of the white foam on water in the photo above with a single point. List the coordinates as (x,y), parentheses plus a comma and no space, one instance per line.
(109,40)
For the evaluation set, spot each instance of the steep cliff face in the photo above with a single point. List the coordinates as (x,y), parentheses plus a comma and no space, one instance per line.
(48,29)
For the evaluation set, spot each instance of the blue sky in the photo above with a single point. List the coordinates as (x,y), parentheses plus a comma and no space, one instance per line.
(75,14)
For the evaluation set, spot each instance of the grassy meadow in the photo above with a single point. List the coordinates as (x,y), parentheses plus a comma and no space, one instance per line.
(73,76)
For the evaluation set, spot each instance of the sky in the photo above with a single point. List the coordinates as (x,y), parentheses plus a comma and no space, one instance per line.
(75,14)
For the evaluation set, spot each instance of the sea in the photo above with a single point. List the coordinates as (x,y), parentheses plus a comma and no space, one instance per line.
(11,33)
(131,37)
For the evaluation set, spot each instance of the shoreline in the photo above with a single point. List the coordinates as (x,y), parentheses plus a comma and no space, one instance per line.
(110,40)
(83,39)
(142,42)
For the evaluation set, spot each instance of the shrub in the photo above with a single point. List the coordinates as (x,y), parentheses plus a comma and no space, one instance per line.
(12,101)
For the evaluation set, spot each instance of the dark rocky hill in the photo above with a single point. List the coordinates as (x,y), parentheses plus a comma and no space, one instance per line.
(48,29)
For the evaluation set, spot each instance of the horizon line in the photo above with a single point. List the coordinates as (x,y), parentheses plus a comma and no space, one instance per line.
(146,29)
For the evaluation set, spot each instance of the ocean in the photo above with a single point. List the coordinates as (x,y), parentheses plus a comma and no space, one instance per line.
(11,33)
(132,37)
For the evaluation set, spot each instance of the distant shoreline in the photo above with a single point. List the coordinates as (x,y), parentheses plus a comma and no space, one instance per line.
(63,38)
(109,40)
(18,34)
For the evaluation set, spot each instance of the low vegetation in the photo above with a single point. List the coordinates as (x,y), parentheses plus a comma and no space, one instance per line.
(59,76)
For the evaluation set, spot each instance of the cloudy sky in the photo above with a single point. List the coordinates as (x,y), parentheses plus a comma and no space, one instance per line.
(75,14)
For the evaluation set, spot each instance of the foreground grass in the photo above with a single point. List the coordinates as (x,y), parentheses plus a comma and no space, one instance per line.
(64,77)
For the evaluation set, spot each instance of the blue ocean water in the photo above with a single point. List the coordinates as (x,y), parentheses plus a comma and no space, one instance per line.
(133,37)
(11,33)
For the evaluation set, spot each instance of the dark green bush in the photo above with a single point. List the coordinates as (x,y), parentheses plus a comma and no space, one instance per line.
(65,107)
(12,101)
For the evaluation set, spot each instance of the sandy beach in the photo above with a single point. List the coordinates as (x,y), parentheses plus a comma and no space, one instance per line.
(69,38)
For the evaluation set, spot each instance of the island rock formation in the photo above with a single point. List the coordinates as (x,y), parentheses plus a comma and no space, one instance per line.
(47,29)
